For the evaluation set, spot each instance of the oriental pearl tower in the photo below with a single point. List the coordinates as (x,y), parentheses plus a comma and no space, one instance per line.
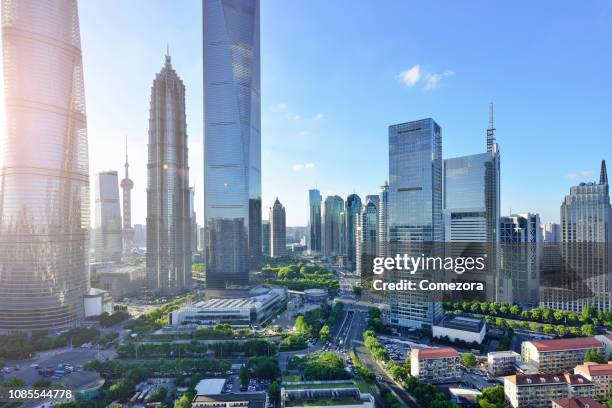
(127,185)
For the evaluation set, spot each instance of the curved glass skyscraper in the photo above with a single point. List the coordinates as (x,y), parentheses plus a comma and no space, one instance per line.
(232,141)
(44,175)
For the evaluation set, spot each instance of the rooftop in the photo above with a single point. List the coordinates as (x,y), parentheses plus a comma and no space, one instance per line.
(319,385)
(595,369)
(544,379)
(462,322)
(578,402)
(437,352)
(258,298)
(255,399)
(566,344)
(210,386)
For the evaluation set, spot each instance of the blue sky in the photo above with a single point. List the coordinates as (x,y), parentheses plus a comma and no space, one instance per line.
(336,74)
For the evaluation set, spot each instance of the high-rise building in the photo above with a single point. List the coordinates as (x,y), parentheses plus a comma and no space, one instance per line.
(352,212)
(332,225)
(126,186)
(586,267)
(366,232)
(168,215)
(382,243)
(232,141)
(314,221)
(265,237)
(278,230)
(194,223)
(551,233)
(415,212)
(44,173)
(109,245)
(521,259)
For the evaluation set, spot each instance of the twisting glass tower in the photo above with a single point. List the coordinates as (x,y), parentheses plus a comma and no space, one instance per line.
(44,174)
(168,213)
(232,141)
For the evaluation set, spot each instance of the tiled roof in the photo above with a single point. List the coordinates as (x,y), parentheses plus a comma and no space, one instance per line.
(578,402)
(439,352)
(566,344)
(595,369)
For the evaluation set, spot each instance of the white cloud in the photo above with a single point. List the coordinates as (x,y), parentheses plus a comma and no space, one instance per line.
(279,107)
(579,175)
(410,76)
(304,133)
(318,116)
(432,80)
(303,167)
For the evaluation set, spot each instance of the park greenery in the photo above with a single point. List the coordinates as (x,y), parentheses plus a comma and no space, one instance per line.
(389,400)
(301,276)
(321,366)
(251,348)
(293,342)
(115,369)
(426,394)
(156,318)
(161,350)
(375,321)
(19,346)
(399,371)
(261,368)
(469,359)
(312,322)
(108,320)
(362,370)
(377,351)
(594,356)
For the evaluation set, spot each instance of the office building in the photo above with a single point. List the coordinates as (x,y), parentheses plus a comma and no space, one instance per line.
(538,390)
(521,259)
(502,362)
(314,221)
(435,365)
(232,141)
(108,239)
(366,236)
(140,235)
(44,168)
(415,213)
(600,375)
(557,355)
(242,400)
(332,226)
(352,211)
(551,232)
(586,218)
(278,230)
(168,212)
(265,238)
(127,232)
(193,227)
(382,241)
(461,327)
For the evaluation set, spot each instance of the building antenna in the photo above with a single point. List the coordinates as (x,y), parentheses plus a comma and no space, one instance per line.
(490,130)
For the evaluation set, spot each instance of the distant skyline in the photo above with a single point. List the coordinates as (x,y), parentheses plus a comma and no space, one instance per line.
(332,85)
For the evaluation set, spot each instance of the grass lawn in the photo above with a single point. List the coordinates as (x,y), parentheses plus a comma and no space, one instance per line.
(318,386)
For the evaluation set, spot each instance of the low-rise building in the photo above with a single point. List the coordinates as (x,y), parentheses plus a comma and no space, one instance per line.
(577,402)
(316,295)
(538,390)
(316,394)
(600,375)
(435,365)
(502,362)
(241,400)
(98,301)
(461,327)
(210,386)
(261,304)
(557,355)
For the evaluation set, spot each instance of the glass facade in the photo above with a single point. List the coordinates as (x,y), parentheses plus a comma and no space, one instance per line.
(332,227)
(168,204)
(278,230)
(367,234)
(314,221)
(44,173)
(232,141)
(415,211)
(108,240)
(352,211)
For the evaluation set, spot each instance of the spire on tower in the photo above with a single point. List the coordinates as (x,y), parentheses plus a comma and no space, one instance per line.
(603,175)
(167,54)
(490,130)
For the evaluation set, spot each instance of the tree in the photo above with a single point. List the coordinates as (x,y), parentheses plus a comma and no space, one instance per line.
(244,375)
(469,359)
(183,402)
(158,394)
(492,397)
(324,332)
(274,392)
(594,356)
(357,290)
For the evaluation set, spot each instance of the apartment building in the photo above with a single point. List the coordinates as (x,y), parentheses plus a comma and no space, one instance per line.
(435,365)
(600,375)
(538,390)
(577,402)
(558,355)
(502,362)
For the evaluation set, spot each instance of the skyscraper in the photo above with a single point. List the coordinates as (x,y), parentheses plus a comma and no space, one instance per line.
(521,259)
(314,221)
(332,222)
(232,141)
(126,186)
(415,211)
(278,230)
(108,242)
(351,212)
(366,236)
(265,237)
(586,267)
(168,212)
(44,178)
(194,225)
(382,243)
(551,232)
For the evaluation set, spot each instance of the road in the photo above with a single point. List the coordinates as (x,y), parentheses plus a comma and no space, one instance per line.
(355,339)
